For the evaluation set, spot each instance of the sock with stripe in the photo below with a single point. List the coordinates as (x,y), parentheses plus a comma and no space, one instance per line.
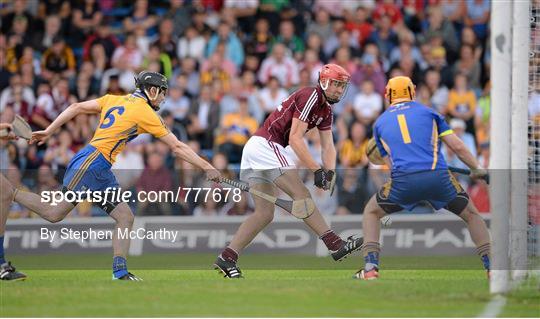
(332,241)
(484,251)
(371,251)
(119,267)
(229,254)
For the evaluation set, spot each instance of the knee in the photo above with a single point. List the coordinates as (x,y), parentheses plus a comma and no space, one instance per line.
(126,218)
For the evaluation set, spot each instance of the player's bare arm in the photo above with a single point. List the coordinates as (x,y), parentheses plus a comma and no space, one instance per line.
(296,140)
(457,146)
(87,107)
(328,149)
(183,151)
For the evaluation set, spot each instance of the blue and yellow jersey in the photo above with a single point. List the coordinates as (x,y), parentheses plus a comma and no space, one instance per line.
(410,134)
(122,119)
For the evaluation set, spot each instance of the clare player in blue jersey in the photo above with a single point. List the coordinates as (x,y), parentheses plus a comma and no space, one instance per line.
(408,136)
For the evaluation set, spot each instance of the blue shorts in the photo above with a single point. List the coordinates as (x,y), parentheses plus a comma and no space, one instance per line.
(89,170)
(437,187)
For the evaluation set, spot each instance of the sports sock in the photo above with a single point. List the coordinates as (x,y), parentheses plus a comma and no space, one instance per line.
(371,251)
(484,251)
(332,241)
(2,260)
(119,266)
(229,255)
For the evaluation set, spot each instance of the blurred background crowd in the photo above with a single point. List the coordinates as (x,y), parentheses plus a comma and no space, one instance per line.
(229,64)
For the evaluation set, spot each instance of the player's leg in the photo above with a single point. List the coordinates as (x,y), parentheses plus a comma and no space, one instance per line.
(466,210)
(47,211)
(291,183)
(262,216)
(7,271)
(123,216)
(377,207)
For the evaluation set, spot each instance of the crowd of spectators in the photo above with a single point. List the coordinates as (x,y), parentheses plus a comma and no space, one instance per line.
(229,64)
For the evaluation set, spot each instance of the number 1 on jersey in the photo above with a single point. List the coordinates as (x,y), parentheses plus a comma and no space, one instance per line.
(403,128)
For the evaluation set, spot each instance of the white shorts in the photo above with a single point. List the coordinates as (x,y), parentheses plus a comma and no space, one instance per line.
(262,159)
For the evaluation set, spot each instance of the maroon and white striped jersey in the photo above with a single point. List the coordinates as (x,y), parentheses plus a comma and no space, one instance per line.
(305,104)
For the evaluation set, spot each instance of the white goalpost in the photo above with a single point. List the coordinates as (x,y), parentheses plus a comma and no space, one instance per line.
(510,162)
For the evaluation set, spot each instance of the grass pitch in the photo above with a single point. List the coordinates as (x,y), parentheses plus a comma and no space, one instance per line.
(275,286)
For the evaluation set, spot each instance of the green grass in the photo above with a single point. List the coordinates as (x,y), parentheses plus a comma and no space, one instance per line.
(275,286)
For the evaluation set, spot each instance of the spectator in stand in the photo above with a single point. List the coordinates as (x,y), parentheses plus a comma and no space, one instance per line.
(352,150)
(7,94)
(477,17)
(216,69)
(352,196)
(126,61)
(482,116)
(271,96)
(390,9)
(43,40)
(58,61)
(177,103)
(322,25)
(234,131)
(154,178)
(345,40)
(165,39)
(234,48)
(180,13)
(360,27)
(19,105)
(258,43)
(312,65)
(370,69)
(469,65)
(156,55)
(368,104)
(289,39)
(437,25)
(204,118)
(59,152)
(86,18)
(140,17)
(438,91)
(103,37)
(19,11)
(384,36)
(281,66)
(343,58)
(462,102)
(191,45)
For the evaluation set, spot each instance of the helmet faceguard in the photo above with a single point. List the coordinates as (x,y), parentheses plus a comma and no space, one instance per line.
(146,80)
(333,78)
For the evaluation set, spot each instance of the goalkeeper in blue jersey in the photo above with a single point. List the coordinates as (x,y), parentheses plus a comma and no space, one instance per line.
(408,136)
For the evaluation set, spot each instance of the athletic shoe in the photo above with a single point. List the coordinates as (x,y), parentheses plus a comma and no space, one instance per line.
(351,245)
(8,272)
(367,275)
(128,276)
(228,268)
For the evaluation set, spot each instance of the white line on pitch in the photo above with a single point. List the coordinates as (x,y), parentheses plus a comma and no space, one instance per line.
(494,307)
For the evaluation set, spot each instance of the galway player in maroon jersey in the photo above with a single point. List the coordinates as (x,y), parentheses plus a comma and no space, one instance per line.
(267,166)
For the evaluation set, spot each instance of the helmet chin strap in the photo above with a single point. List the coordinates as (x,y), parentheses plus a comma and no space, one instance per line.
(324,87)
(150,98)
